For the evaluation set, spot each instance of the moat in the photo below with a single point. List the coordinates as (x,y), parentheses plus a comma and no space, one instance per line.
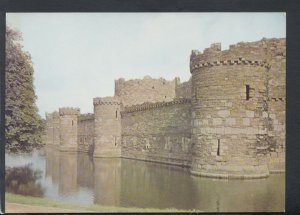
(79,178)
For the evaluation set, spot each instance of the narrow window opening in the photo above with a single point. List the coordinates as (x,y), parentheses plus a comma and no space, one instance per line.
(153,87)
(218,152)
(247,92)
(115,141)
(72,122)
(165,97)
(116,114)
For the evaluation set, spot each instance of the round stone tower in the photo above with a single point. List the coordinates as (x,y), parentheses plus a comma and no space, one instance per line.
(107,127)
(230,118)
(68,128)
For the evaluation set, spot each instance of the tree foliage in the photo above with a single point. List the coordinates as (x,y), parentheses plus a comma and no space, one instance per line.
(23,125)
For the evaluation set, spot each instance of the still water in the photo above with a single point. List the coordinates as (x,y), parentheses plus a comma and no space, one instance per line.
(78,178)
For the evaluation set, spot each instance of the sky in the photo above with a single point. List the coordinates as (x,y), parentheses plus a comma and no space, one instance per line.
(77,56)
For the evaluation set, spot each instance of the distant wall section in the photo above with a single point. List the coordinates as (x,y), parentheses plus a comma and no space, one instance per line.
(53,129)
(86,125)
(138,91)
(184,90)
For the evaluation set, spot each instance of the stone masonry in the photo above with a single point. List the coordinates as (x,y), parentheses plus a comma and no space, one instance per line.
(227,121)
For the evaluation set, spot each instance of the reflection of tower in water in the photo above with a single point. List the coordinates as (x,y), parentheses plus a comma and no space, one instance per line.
(107,178)
(67,172)
(52,164)
(85,171)
(130,183)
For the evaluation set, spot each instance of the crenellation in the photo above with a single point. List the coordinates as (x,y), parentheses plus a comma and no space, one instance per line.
(87,116)
(138,91)
(69,111)
(253,51)
(147,106)
(109,100)
(226,121)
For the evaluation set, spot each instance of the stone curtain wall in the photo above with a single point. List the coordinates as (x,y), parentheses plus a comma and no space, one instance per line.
(184,90)
(138,91)
(159,132)
(86,133)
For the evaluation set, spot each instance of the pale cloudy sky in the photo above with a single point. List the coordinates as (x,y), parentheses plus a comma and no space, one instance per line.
(77,56)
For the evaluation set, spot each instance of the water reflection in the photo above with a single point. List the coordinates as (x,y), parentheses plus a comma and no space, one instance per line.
(76,177)
(70,170)
(156,185)
(235,195)
(107,185)
(23,180)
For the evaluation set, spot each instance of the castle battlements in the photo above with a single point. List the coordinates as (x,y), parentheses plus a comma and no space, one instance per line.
(240,61)
(69,111)
(253,51)
(109,100)
(54,114)
(226,121)
(87,116)
(147,106)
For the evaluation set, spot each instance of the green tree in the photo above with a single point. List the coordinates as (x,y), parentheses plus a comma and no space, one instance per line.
(23,125)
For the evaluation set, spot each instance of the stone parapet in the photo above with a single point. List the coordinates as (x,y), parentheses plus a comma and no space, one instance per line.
(260,50)
(240,61)
(109,100)
(147,106)
(53,115)
(138,91)
(69,111)
(88,116)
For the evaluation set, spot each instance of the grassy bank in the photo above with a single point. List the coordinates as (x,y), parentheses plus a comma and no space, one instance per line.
(29,200)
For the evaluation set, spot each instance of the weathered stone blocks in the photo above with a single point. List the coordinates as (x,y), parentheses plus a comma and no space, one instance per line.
(160,134)
(68,129)
(107,128)
(238,119)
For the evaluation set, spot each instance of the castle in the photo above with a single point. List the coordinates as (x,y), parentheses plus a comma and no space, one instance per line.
(227,121)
